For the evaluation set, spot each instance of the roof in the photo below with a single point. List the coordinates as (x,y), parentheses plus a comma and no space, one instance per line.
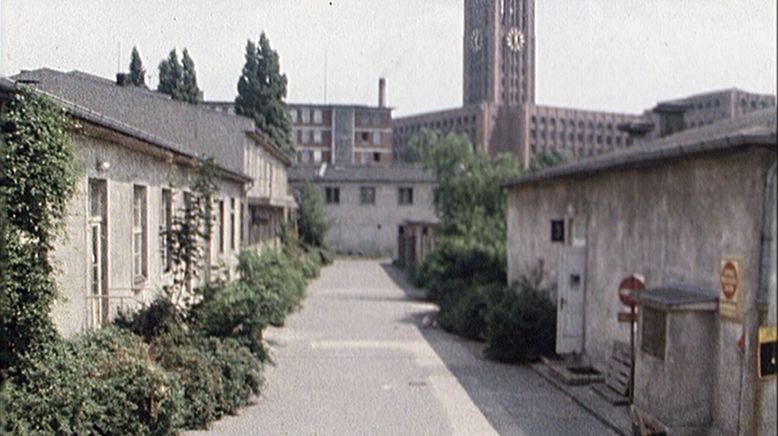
(757,128)
(394,173)
(679,296)
(98,119)
(185,126)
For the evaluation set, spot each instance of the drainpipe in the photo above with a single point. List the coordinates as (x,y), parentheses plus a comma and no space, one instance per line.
(749,383)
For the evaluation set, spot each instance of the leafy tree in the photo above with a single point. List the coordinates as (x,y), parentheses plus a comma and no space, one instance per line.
(189,90)
(137,72)
(312,222)
(178,78)
(170,75)
(469,199)
(547,159)
(261,94)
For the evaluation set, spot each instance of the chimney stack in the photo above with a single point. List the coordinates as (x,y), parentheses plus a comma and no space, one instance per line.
(122,79)
(381,92)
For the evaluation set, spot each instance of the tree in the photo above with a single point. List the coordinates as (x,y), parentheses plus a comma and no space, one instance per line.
(170,75)
(178,79)
(547,159)
(189,90)
(312,222)
(261,94)
(137,72)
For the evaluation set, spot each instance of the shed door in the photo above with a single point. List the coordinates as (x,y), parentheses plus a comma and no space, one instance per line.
(570,300)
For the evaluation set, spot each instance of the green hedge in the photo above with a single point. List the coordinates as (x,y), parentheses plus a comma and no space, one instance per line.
(96,384)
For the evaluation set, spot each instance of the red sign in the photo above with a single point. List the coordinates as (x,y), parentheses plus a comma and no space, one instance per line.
(629,287)
(729,280)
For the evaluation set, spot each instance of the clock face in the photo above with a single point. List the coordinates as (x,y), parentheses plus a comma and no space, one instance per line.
(514,39)
(476,40)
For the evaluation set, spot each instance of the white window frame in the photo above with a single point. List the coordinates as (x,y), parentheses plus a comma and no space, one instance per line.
(139,234)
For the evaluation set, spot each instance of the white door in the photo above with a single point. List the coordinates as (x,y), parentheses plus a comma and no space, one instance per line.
(570,300)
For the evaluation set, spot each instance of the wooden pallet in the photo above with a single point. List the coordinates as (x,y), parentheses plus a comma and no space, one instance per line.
(617,379)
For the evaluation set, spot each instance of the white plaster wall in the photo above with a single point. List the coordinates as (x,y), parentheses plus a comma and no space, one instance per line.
(373,229)
(71,256)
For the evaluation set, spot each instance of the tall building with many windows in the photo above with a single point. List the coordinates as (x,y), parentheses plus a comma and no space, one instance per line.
(500,113)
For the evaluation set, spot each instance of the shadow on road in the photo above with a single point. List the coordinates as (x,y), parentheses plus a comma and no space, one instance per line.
(492,386)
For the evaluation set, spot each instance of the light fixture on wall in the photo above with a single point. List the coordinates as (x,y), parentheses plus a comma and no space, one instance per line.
(103,165)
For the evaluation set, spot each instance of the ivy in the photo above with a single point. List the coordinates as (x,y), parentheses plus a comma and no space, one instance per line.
(37,180)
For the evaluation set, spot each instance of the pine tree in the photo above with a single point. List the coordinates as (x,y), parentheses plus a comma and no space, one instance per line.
(261,94)
(170,75)
(189,90)
(137,72)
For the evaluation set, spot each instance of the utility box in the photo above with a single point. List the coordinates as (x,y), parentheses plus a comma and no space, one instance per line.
(674,359)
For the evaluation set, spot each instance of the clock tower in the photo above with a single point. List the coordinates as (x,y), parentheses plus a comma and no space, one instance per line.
(499,52)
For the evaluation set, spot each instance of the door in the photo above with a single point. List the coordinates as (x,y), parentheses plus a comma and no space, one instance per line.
(570,300)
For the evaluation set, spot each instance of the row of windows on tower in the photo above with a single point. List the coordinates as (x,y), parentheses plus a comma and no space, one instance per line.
(569,123)
(580,137)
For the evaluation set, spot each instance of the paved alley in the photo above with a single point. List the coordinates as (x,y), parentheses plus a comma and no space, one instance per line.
(357,361)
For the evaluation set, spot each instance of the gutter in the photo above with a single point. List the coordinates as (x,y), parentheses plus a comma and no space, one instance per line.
(765,139)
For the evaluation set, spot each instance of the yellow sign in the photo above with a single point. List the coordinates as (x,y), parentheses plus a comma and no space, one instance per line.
(731,284)
(768,351)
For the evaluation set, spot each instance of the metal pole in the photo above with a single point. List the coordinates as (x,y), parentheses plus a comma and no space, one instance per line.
(632,355)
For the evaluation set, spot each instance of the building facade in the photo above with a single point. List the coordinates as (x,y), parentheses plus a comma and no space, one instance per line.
(672,211)
(500,113)
(367,206)
(139,151)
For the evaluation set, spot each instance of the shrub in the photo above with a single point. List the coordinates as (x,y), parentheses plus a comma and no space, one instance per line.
(151,321)
(241,373)
(311,218)
(463,311)
(96,384)
(273,277)
(460,260)
(520,323)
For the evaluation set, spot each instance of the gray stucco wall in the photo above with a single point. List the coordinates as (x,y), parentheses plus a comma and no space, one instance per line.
(373,229)
(71,255)
(671,223)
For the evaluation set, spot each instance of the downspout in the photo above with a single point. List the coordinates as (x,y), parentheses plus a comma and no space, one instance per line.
(749,388)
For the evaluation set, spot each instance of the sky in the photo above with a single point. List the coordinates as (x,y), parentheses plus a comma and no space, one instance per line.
(614,55)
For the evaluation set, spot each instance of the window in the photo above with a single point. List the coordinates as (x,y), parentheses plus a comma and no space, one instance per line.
(365,119)
(376,119)
(293,115)
(332,195)
(557,231)
(365,136)
(220,227)
(376,157)
(166,227)
(317,156)
(652,335)
(376,138)
(405,196)
(305,136)
(139,234)
(233,224)
(317,118)
(367,195)
(98,251)
(306,116)
(317,137)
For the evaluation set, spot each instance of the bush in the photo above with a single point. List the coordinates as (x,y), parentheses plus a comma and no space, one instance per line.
(462,262)
(463,311)
(520,323)
(96,384)
(273,277)
(160,317)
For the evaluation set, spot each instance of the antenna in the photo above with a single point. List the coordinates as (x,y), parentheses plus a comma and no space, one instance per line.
(325,75)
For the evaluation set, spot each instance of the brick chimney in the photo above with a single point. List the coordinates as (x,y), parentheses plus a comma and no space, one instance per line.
(123,79)
(381,92)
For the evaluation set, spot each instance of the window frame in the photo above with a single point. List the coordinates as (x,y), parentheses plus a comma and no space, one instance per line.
(367,195)
(139,234)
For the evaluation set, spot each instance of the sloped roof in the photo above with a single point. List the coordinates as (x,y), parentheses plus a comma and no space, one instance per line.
(394,173)
(185,126)
(757,128)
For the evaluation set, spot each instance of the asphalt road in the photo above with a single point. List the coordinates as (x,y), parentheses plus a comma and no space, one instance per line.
(356,360)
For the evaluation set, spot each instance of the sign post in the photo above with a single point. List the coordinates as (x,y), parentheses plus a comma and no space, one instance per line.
(730,288)
(628,289)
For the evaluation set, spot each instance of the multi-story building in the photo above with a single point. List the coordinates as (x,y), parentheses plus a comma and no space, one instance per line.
(340,134)
(138,150)
(500,113)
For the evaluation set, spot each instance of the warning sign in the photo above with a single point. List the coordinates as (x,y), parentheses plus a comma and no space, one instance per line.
(768,351)
(730,288)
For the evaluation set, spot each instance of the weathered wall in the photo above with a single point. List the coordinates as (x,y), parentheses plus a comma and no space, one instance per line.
(373,229)
(71,255)
(672,223)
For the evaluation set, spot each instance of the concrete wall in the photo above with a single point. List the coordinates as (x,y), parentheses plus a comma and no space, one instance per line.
(672,223)
(373,229)
(71,313)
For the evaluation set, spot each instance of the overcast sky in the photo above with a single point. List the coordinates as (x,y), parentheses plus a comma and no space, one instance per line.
(618,55)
